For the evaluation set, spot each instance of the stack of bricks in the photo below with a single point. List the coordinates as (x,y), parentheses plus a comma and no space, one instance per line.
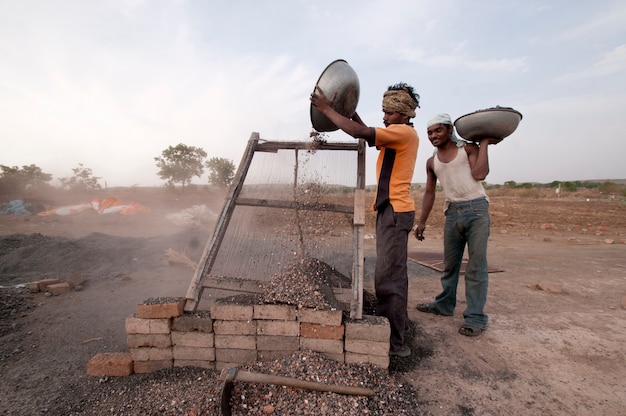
(150,336)
(162,336)
(53,287)
(367,341)
(322,331)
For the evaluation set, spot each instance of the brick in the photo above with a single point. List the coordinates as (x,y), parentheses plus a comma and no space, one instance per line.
(381,361)
(59,289)
(321,331)
(234,327)
(277,343)
(142,367)
(370,328)
(44,283)
(360,346)
(149,340)
(285,328)
(195,363)
(231,312)
(275,312)
(193,353)
(324,317)
(113,364)
(231,355)
(33,287)
(193,339)
(241,342)
(161,310)
(136,325)
(332,346)
(191,322)
(151,354)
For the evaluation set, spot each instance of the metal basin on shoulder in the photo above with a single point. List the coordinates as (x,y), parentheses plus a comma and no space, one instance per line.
(496,122)
(340,78)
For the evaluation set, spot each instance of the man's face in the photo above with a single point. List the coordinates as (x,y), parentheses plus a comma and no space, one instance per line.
(394,117)
(439,134)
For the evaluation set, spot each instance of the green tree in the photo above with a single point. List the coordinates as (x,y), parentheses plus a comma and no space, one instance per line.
(83,179)
(180,164)
(570,186)
(19,179)
(222,171)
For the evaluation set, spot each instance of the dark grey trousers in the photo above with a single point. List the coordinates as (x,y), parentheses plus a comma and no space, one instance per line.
(391,276)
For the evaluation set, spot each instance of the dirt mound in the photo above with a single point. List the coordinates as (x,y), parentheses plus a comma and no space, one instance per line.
(25,258)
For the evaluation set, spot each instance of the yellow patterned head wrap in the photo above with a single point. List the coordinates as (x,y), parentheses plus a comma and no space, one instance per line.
(399,101)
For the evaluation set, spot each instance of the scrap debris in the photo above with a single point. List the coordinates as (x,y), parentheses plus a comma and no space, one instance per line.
(108,205)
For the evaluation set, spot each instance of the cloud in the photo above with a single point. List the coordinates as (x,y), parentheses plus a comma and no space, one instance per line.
(460,57)
(611,63)
(592,24)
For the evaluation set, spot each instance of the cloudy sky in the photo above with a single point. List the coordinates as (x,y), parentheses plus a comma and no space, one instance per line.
(112,83)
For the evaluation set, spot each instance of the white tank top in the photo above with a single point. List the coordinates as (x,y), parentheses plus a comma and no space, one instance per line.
(456,179)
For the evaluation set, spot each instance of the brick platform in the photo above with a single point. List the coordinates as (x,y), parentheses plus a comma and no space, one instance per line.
(164,336)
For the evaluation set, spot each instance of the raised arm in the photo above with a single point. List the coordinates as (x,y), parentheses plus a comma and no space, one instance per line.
(356,129)
(479,159)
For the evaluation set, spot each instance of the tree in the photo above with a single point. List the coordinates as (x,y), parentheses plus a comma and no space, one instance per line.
(180,164)
(83,179)
(222,171)
(28,176)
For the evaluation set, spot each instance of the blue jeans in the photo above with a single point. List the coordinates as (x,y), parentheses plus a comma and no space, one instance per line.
(467,223)
(391,274)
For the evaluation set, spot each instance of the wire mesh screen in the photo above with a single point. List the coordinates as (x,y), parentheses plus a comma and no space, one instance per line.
(293,204)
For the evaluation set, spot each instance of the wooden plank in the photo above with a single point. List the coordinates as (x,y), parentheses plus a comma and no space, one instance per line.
(358,260)
(232,284)
(310,145)
(271,203)
(359,207)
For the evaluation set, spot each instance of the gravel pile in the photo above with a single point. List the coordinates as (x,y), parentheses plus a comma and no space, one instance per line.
(14,303)
(308,283)
(391,395)
(194,391)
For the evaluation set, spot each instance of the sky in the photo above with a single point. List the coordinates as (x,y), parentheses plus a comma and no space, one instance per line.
(110,84)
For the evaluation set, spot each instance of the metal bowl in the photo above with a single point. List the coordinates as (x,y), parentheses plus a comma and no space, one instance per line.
(496,122)
(340,78)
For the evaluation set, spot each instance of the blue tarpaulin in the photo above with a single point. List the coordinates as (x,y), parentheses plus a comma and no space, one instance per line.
(16,207)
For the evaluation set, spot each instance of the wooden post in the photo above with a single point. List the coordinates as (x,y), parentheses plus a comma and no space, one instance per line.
(356,304)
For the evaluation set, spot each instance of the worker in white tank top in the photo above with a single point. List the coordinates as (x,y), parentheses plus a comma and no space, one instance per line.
(456,178)
(460,167)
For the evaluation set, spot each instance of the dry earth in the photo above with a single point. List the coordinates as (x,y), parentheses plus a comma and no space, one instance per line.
(554,345)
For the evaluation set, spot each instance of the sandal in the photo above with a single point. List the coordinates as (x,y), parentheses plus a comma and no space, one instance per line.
(429,308)
(470,330)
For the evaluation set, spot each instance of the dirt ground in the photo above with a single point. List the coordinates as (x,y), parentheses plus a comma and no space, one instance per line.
(557,317)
